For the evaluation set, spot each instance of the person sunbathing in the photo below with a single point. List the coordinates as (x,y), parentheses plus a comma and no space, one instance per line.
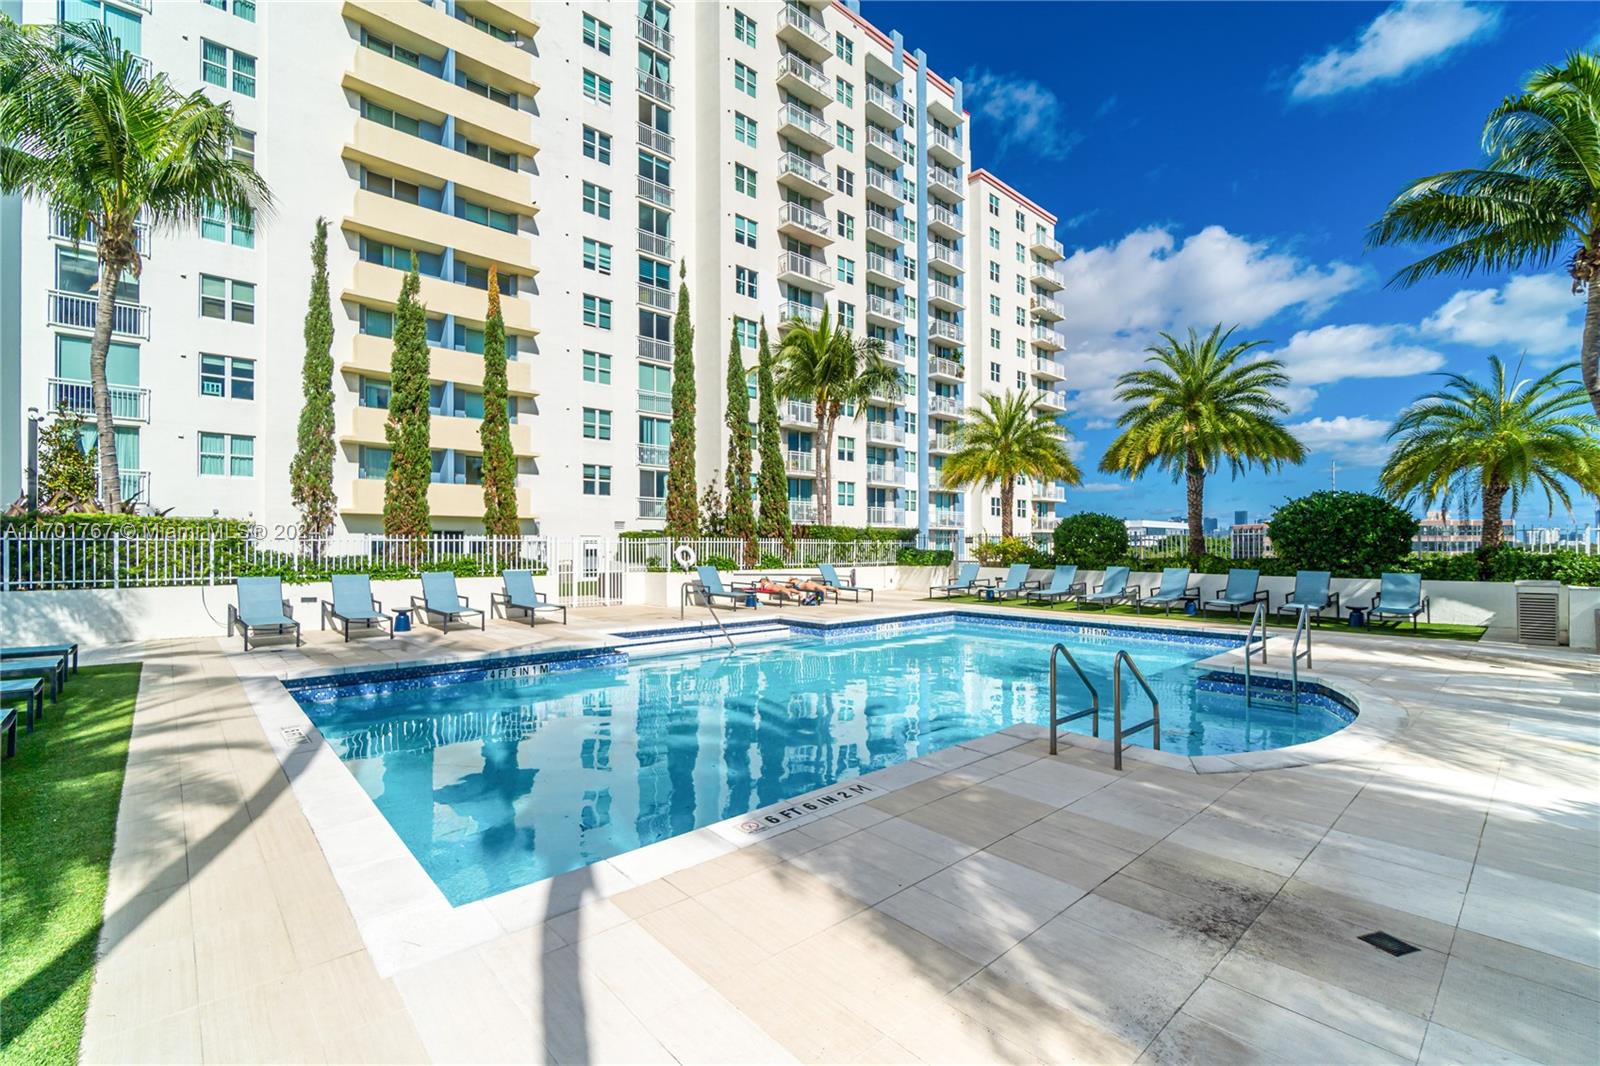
(767,587)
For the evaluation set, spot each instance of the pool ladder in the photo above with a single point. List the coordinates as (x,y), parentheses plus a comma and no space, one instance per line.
(1302,630)
(1118,733)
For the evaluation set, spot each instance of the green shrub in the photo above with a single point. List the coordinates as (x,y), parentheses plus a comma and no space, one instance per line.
(1352,534)
(1092,541)
(769,561)
(1009,550)
(1209,564)
(720,562)
(909,556)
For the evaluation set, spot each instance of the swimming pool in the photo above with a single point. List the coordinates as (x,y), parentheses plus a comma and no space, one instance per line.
(496,776)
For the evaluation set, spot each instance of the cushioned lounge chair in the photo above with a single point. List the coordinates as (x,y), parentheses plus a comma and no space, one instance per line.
(966,581)
(520,595)
(830,578)
(1243,591)
(1174,588)
(439,597)
(353,604)
(1400,597)
(1064,583)
(261,606)
(1016,583)
(712,588)
(1311,593)
(1114,589)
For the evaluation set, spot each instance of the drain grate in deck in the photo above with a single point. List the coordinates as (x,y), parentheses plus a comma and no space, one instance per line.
(1391,944)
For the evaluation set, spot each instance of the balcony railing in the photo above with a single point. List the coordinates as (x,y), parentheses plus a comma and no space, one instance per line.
(1049,368)
(943,141)
(655,36)
(889,268)
(887,225)
(655,244)
(805,170)
(1047,246)
(883,474)
(881,140)
(885,433)
(884,183)
(654,350)
(654,139)
(1046,307)
(1047,275)
(939,329)
(938,366)
(897,352)
(128,402)
(941,215)
(798,462)
(652,507)
(75,310)
(945,517)
(793,66)
(654,403)
(807,219)
(135,485)
(1049,491)
(942,442)
(655,88)
(883,308)
(1046,336)
(885,516)
(938,290)
(650,296)
(803,511)
(944,405)
(804,266)
(655,192)
(944,179)
(61,230)
(799,412)
(791,310)
(653,454)
(801,119)
(1051,401)
(1045,523)
(944,254)
(792,17)
(883,101)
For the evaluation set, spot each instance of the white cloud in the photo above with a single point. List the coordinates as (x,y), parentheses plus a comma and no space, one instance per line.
(1356,440)
(1023,113)
(1535,314)
(1403,38)
(1328,354)
(1101,486)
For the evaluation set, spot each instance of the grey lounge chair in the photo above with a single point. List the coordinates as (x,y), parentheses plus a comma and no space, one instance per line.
(439,597)
(261,606)
(8,724)
(1243,590)
(69,650)
(53,668)
(1015,584)
(1400,597)
(712,588)
(1174,588)
(1114,589)
(30,689)
(353,603)
(830,578)
(1063,583)
(520,595)
(1311,593)
(966,581)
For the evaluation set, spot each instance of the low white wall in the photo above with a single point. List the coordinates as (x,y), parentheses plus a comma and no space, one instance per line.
(666,589)
(1584,617)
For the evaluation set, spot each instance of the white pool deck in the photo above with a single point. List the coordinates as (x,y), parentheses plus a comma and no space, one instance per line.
(989,903)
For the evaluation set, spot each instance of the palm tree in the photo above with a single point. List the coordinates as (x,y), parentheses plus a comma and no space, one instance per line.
(831,368)
(1004,440)
(1535,200)
(1495,440)
(86,129)
(1195,407)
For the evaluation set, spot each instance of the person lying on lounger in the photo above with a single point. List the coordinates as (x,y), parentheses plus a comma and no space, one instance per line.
(789,591)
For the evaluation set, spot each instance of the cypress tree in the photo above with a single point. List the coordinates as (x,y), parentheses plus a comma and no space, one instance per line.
(772,484)
(683,505)
(740,518)
(311,470)
(499,462)
(405,490)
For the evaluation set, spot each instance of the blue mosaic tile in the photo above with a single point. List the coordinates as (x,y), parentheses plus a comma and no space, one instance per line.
(1312,694)
(383,680)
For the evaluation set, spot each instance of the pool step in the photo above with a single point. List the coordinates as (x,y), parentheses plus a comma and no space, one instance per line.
(694,638)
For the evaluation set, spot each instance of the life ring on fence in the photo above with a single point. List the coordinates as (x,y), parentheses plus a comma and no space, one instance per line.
(686,557)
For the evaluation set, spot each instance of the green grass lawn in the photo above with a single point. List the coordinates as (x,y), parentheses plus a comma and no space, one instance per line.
(1279,623)
(58,813)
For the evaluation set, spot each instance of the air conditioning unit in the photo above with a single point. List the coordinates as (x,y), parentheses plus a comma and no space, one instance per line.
(1539,612)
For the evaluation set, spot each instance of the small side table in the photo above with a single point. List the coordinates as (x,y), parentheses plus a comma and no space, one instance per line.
(402,620)
(1358,617)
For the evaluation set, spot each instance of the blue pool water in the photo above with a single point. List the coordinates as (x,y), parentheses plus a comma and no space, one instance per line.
(496,782)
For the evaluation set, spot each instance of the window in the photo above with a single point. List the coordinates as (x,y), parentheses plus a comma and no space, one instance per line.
(846,495)
(416,127)
(994,507)
(844,48)
(224,375)
(744,129)
(597,34)
(844,137)
(744,79)
(994,271)
(596,255)
(596,201)
(1022,380)
(1022,222)
(488,92)
(1022,253)
(227,299)
(486,216)
(244,81)
(596,312)
(847,449)
(244,148)
(596,368)
(1022,286)
(994,205)
(744,29)
(744,179)
(596,145)
(745,329)
(1022,350)
(994,305)
(237,227)
(846,181)
(213,63)
(847,315)
(597,88)
(596,424)
(655,168)
(744,281)
(1022,508)
(245,9)
(744,231)
(596,480)
(994,237)
(847,226)
(994,373)
(994,338)
(227,455)
(844,92)
(846,270)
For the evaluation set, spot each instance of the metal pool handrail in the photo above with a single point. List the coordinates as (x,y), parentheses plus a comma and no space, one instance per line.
(1094,695)
(1303,626)
(1259,618)
(686,559)
(1154,721)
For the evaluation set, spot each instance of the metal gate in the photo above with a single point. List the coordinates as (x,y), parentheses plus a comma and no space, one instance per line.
(588,570)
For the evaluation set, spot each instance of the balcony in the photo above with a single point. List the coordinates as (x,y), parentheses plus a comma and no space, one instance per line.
(944,296)
(948,406)
(1046,276)
(134,485)
(885,190)
(484,57)
(945,517)
(798,220)
(897,352)
(76,310)
(949,332)
(792,311)
(1048,369)
(942,444)
(652,507)
(465,502)
(376,285)
(655,351)
(1045,337)
(944,181)
(804,128)
(653,455)
(803,512)
(1051,401)
(655,192)
(886,396)
(797,462)
(884,474)
(655,88)
(653,403)
(945,222)
(943,147)
(371,355)
(420,161)
(380,78)
(945,369)
(129,403)
(885,433)
(946,257)
(804,80)
(1049,492)
(1047,247)
(885,108)
(798,172)
(660,299)
(61,229)
(884,270)
(884,149)
(885,312)
(655,36)
(1046,308)
(804,272)
(655,140)
(885,516)
(386,218)
(1045,523)
(803,33)
(885,225)
(655,244)
(798,413)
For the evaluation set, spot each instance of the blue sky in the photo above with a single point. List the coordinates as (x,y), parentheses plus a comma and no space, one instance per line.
(1221,162)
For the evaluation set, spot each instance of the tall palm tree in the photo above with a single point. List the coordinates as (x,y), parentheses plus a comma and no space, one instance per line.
(86,129)
(1536,198)
(832,369)
(1495,440)
(1006,439)
(1196,406)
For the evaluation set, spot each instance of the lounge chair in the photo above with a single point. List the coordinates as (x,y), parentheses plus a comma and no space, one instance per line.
(520,595)
(1174,588)
(8,724)
(439,597)
(1311,593)
(1400,597)
(1243,590)
(712,588)
(1063,583)
(830,578)
(966,581)
(261,606)
(1015,584)
(353,602)
(52,668)
(1114,589)
(69,650)
(30,689)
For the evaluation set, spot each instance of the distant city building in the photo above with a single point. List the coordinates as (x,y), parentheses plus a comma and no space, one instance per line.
(1241,518)
(1209,525)
(1151,532)
(1441,533)
(1250,540)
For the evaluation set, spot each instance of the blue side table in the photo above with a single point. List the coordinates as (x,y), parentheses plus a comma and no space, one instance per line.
(402,620)
(1358,618)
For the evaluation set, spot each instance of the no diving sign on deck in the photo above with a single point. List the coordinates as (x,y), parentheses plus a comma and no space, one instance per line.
(791,811)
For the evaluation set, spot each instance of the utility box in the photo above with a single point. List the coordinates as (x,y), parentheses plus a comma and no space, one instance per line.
(1539,612)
